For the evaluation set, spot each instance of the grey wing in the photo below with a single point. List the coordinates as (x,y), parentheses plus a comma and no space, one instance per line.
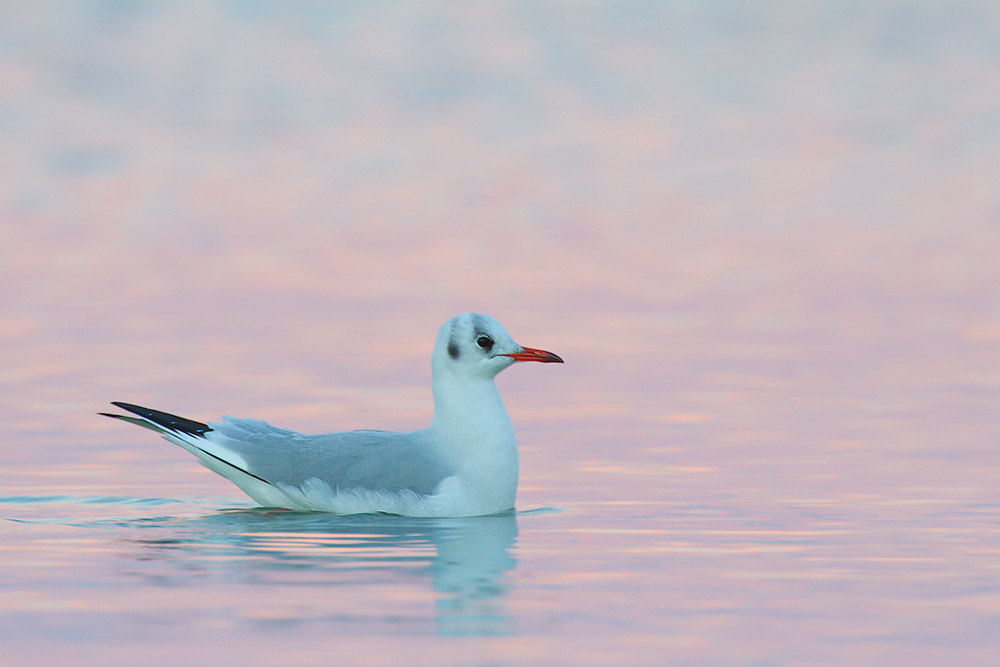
(374,460)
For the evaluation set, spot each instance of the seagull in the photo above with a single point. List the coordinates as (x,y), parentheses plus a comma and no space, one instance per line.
(464,464)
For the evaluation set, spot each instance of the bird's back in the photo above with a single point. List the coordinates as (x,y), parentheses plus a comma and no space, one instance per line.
(379,461)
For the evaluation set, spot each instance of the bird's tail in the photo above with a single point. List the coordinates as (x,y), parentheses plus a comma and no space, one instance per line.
(163,423)
(192,436)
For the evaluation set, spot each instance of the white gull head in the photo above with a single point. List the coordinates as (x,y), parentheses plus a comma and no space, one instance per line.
(472,346)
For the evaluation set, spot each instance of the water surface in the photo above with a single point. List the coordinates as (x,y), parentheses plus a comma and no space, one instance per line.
(763,239)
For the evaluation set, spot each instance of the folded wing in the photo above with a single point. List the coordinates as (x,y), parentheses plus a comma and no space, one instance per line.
(371,460)
(251,452)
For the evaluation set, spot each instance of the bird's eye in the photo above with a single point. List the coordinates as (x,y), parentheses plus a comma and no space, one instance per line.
(485,342)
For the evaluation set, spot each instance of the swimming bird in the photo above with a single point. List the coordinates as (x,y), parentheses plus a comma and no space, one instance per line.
(464,464)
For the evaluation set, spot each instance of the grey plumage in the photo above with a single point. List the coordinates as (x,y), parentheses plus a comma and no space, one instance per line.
(372,460)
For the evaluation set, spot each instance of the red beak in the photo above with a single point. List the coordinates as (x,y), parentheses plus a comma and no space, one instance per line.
(531,354)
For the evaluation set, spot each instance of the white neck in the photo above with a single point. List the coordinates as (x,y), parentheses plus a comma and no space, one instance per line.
(474,433)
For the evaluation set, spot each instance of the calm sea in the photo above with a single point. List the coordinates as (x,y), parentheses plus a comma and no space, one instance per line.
(764,238)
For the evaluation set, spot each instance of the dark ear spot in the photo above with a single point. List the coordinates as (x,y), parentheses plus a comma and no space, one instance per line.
(453,351)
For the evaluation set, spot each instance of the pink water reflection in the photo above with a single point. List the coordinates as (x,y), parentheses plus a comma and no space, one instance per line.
(764,241)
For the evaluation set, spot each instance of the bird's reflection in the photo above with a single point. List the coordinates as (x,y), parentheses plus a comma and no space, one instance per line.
(465,560)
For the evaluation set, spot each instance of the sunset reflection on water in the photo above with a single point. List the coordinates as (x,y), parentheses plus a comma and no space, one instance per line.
(764,241)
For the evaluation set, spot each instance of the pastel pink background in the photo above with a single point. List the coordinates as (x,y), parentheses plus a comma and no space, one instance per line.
(764,239)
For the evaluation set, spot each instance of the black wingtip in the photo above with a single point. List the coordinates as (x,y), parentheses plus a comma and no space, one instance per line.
(164,419)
